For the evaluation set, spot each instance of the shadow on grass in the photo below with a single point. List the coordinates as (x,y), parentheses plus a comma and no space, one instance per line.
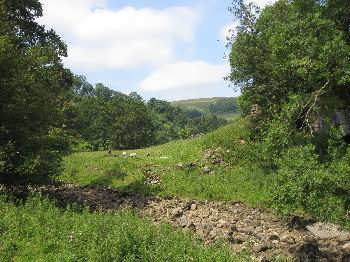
(139,187)
(108,178)
(96,196)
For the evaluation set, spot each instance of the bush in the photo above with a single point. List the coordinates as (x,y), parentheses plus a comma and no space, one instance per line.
(308,185)
(38,161)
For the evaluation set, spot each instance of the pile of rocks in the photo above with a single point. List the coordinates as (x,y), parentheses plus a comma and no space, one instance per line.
(151,178)
(211,158)
(252,229)
(214,156)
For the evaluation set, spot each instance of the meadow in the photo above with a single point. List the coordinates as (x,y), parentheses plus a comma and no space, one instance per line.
(236,180)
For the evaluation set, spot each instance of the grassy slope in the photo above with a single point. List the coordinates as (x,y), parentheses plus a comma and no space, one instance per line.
(39,231)
(202,104)
(239,182)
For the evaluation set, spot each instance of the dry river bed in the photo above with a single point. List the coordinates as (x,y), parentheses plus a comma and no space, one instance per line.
(257,230)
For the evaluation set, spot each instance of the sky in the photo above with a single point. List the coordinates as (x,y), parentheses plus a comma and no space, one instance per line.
(168,49)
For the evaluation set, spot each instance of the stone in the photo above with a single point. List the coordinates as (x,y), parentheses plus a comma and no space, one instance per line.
(236,240)
(263,259)
(213,234)
(325,230)
(193,207)
(287,239)
(207,227)
(206,170)
(233,228)
(245,230)
(261,247)
(176,212)
(346,247)
(242,142)
(274,236)
(180,165)
(344,237)
(221,223)
(183,221)
(192,226)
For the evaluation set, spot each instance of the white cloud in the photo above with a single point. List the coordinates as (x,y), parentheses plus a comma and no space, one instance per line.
(229,30)
(263,3)
(99,37)
(186,79)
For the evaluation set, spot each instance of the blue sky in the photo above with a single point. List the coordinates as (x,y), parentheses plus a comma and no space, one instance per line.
(166,49)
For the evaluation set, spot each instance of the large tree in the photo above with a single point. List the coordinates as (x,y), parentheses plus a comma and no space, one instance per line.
(296,48)
(108,119)
(33,83)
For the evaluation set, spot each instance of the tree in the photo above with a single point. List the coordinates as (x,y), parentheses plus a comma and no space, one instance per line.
(109,119)
(292,49)
(33,86)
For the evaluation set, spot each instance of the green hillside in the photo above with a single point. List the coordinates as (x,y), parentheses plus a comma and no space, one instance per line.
(226,107)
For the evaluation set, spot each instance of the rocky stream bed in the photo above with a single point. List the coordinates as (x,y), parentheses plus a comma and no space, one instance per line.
(245,228)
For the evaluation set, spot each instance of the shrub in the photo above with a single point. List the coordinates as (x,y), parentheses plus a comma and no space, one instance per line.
(304,183)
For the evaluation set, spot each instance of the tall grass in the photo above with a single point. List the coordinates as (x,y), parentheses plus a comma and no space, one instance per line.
(39,231)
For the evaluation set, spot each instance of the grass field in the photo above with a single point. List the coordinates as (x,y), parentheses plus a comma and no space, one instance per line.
(238,182)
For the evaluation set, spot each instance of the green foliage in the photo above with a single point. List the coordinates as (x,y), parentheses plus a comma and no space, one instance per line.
(172,122)
(33,86)
(39,231)
(291,48)
(292,62)
(108,119)
(303,183)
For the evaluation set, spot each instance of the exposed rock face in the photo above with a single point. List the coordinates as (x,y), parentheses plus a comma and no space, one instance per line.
(243,227)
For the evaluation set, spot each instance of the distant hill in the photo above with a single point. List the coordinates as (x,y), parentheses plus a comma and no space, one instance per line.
(226,107)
